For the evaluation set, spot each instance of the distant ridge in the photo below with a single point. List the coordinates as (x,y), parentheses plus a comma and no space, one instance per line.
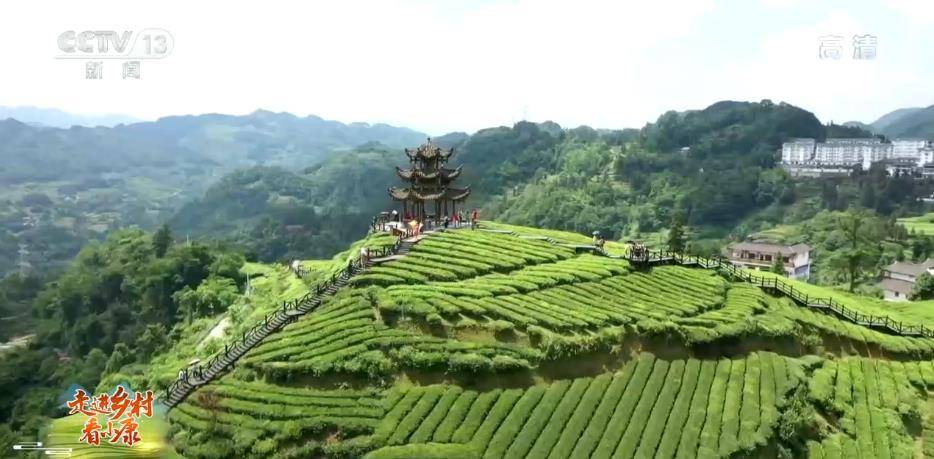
(54,117)
(907,122)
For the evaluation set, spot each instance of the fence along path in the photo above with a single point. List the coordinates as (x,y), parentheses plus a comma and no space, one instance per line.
(772,284)
(193,377)
(777,285)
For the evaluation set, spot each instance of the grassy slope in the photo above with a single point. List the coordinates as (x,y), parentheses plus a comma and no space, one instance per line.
(489,345)
(923,224)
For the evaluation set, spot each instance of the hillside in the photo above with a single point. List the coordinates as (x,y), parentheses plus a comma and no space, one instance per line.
(907,122)
(510,343)
(713,166)
(65,187)
(53,117)
(214,143)
(279,214)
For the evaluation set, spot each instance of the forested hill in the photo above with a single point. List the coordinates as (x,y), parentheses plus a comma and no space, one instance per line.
(714,167)
(212,144)
(277,214)
(64,187)
(907,122)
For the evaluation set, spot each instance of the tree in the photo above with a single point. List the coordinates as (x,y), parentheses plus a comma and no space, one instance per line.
(154,338)
(91,368)
(161,240)
(120,356)
(859,251)
(676,238)
(924,288)
(213,296)
(778,267)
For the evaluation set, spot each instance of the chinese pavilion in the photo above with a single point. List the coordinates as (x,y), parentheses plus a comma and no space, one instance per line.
(429,194)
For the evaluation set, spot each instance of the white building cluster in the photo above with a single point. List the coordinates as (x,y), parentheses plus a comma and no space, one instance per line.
(807,156)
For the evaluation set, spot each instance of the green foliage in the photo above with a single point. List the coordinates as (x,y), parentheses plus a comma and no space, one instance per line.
(778,266)
(113,306)
(859,250)
(923,288)
(17,293)
(161,240)
(211,297)
(676,238)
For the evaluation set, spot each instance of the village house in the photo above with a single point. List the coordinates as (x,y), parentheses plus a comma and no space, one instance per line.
(761,255)
(898,278)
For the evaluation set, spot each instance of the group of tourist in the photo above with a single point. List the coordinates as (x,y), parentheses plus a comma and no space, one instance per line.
(598,240)
(456,220)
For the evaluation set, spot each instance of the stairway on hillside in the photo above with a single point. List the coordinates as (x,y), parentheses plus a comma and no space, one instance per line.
(184,387)
(406,246)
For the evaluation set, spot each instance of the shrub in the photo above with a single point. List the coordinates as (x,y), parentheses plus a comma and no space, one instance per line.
(503,363)
(469,362)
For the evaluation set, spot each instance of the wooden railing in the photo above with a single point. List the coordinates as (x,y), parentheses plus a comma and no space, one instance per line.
(193,377)
(648,257)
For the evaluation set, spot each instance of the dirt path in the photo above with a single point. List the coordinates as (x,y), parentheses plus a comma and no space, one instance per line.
(217,332)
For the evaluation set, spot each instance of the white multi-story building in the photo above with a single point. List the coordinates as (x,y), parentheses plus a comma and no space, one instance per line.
(908,148)
(808,157)
(850,152)
(796,259)
(926,155)
(798,151)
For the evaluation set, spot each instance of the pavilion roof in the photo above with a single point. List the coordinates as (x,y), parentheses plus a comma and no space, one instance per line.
(429,151)
(453,194)
(447,174)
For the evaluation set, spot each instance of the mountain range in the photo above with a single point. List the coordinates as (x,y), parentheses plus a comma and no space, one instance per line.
(63,187)
(53,117)
(289,186)
(906,122)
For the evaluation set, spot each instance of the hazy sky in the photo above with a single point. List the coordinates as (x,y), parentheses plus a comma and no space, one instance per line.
(463,65)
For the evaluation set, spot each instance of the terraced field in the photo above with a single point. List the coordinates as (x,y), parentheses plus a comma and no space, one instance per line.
(651,408)
(479,344)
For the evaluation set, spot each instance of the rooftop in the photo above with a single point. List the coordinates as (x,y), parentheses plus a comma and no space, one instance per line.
(870,140)
(911,269)
(767,247)
(909,139)
(897,285)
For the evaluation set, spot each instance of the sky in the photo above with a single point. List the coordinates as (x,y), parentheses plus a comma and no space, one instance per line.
(441,66)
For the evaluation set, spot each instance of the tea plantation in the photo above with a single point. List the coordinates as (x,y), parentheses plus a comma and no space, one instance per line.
(481,344)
